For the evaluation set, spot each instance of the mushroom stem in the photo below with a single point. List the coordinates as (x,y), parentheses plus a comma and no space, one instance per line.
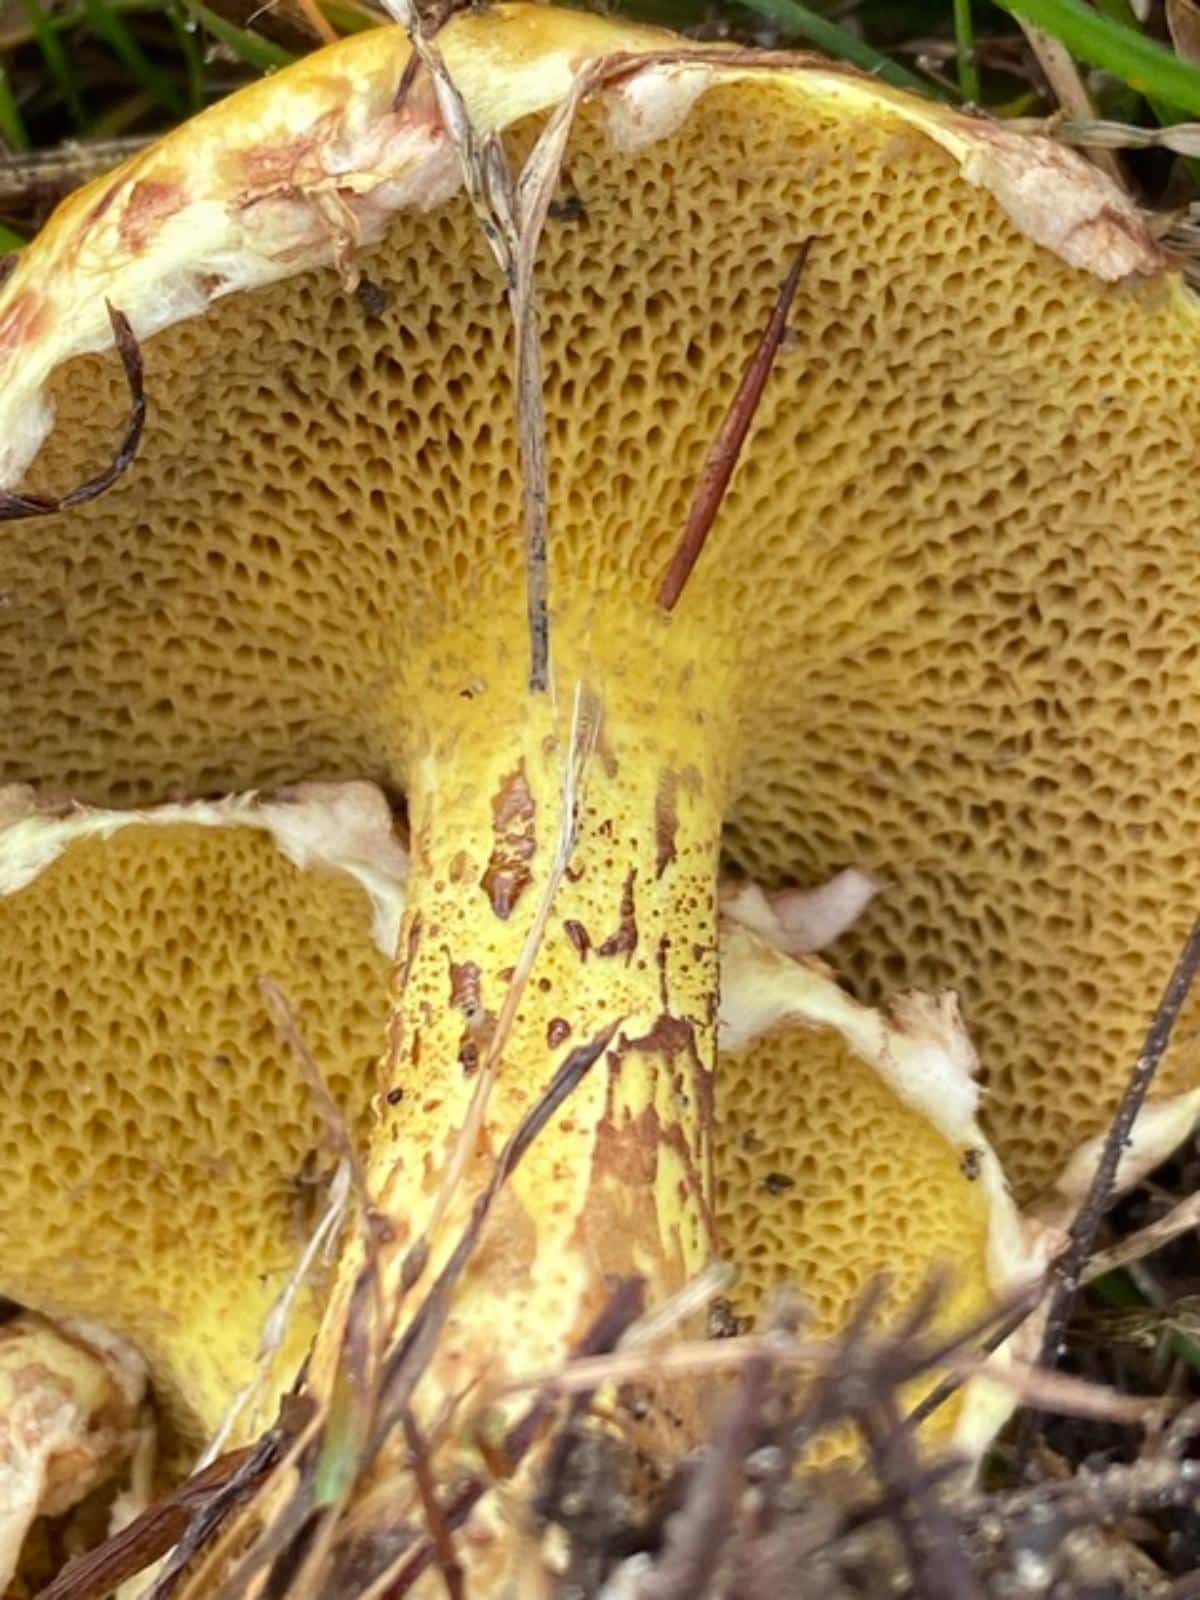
(562,883)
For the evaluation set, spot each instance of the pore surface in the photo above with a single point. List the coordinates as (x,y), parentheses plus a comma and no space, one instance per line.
(960,550)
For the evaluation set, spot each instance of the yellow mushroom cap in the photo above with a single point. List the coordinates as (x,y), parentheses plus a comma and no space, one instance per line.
(850,1150)
(957,565)
(162,1156)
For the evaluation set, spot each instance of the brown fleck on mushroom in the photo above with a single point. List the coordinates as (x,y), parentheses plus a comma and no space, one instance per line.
(943,626)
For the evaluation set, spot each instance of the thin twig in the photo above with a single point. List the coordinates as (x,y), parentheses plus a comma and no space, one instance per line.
(1183,1218)
(1047,1391)
(725,449)
(937,1559)
(1068,1271)
(951,1384)
(700,1530)
(43,177)
(623,1306)
(99,1571)
(445,1556)
(16,507)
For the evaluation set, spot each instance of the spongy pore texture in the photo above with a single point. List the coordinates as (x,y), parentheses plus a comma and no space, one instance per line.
(826,1181)
(162,1159)
(960,552)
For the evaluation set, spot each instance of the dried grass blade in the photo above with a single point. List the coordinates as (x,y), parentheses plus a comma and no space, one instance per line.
(276,1325)
(1183,1218)
(1068,1271)
(726,448)
(140,1543)
(251,1471)
(16,507)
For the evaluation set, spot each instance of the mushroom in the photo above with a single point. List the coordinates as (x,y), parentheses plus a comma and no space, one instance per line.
(71,1402)
(146,1195)
(942,628)
(161,1155)
(849,1148)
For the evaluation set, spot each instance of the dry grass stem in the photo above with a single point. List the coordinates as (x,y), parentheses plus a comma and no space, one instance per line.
(1068,1270)
(1067,85)
(726,448)
(16,507)
(276,1326)
(1183,1218)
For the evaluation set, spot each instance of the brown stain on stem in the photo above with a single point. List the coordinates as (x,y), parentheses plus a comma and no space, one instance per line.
(666,822)
(624,941)
(508,872)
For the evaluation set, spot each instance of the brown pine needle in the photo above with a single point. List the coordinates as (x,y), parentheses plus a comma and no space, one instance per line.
(726,448)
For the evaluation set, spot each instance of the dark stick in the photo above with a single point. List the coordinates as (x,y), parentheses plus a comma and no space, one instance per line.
(1070,1265)
(938,1561)
(726,448)
(1012,1319)
(440,1536)
(16,507)
(623,1308)
(699,1532)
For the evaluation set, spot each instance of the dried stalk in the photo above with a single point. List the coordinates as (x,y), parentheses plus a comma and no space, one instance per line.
(16,507)
(726,448)
(1183,1218)
(1068,1270)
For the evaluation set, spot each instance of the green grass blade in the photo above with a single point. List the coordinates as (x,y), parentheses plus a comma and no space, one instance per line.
(122,115)
(262,54)
(798,19)
(9,240)
(1119,11)
(1140,62)
(55,57)
(350,18)
(964,34)
(12,125)
(107,25)
(184,28)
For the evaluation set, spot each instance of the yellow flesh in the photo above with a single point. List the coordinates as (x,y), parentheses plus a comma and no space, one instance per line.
(958,557)
(160,1156)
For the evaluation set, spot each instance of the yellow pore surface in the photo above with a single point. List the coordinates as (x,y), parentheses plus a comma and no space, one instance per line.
(162,1167)
(825,1180)
(160,1158)
(959,557)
